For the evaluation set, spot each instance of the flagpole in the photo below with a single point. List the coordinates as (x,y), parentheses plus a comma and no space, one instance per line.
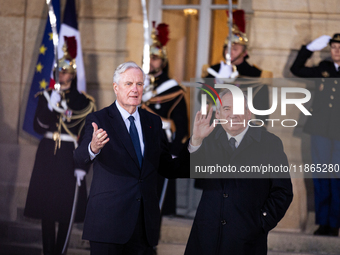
(53,21)
(146,50)
(230,26)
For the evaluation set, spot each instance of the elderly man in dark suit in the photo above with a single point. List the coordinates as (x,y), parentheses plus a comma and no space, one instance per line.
(128,148)
(323,126)
(235,214)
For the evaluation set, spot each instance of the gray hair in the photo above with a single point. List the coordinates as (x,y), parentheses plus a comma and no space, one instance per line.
(227,91)
(123,67)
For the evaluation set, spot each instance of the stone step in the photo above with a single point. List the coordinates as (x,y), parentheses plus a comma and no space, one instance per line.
(303,243)
(28,233)
(25,238)
(163,249)
(177,230)
(292,253)
(178,249)
(20,232)
(33,249)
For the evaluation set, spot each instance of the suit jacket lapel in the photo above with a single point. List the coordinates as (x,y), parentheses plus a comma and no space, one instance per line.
(253,133)
(147,132)
(119,127)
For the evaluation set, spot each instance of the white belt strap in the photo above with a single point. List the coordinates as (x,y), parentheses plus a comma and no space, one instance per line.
(160,89)
(63,137)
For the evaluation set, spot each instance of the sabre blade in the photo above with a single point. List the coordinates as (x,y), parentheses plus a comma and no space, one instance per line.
(53,22)
(230,26)
(146,49)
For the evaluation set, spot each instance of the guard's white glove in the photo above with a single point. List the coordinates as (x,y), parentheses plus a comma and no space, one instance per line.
(319,43)
(225,70)
(79,174)
(225,74)
(54,99)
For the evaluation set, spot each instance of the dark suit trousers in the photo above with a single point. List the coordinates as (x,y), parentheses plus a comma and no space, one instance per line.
(137,245)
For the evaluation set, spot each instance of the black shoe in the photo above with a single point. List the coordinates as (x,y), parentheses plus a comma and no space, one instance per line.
(333,231)
(323,230)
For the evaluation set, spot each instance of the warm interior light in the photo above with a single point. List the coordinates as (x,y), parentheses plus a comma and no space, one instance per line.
(190,12)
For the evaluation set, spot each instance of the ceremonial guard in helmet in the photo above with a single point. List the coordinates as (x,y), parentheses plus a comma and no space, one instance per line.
(240,68)
(323,126)
(165,97)
(60,117)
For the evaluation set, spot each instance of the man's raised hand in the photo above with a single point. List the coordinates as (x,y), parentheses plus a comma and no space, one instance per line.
(202,127)
(99,138)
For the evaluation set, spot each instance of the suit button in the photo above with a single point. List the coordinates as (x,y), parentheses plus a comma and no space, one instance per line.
(223,222)
(330,105)
(264,214)
(225,195)
(333,89)
(332,97)
(138,199)
(336,82)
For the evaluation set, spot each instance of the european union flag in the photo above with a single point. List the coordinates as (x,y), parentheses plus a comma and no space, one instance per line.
(42,71)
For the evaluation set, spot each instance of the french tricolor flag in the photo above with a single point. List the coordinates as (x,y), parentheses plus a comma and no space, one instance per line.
(69,28)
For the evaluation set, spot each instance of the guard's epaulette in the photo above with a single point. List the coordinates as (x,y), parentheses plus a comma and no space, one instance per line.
(183,87)
(91,98)
(266,74)
(257,67)
(205,71)
(41,92)
(38,94)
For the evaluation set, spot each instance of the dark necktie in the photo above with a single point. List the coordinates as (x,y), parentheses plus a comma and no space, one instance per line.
(232,142)
(135,139)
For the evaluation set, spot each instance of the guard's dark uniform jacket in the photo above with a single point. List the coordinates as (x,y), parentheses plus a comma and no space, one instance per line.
(261,98)
(325,109)
(174,109)
(170,106)
(52,185)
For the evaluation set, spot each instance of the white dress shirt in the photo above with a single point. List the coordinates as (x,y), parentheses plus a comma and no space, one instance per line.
(125,115)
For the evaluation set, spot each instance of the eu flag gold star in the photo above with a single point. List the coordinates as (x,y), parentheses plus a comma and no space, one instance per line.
(42,49)
(51,36)
(43,84)
(39,67)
